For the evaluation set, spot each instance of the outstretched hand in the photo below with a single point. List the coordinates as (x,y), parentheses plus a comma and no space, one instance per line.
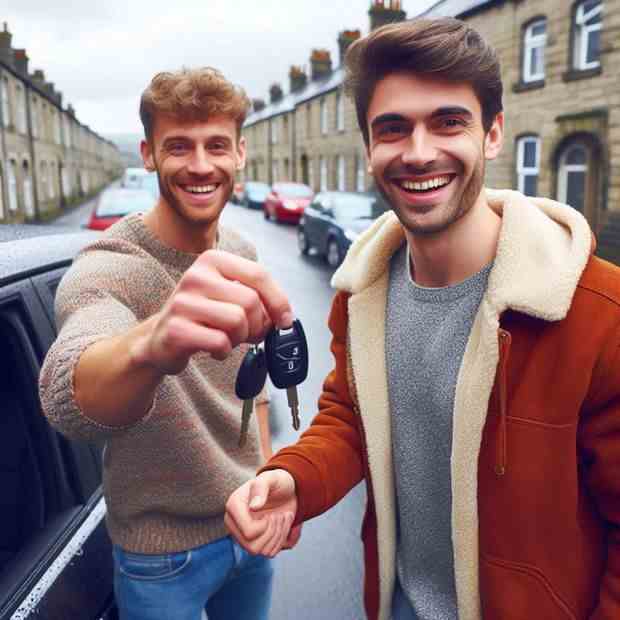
(259,514)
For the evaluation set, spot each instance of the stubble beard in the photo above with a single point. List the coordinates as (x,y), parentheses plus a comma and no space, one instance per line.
(452,211)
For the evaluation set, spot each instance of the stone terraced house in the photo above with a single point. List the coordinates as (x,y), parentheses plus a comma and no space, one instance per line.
(559,61)
(48,159)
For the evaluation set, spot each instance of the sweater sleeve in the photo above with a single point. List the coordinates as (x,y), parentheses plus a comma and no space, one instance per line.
(600,444)
(89,307)
(327,461)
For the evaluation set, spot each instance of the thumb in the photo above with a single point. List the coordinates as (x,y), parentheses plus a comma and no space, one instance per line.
(259,490)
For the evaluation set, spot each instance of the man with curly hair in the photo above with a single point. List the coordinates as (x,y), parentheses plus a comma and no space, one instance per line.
(154,319)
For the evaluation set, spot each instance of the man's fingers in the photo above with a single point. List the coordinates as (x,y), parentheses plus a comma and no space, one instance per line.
(254,276)
(293,536)
(186,337)
(272,546)
(218,315)
(259,492)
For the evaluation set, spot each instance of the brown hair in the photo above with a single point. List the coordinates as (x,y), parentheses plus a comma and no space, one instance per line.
(192,94)
(445,47)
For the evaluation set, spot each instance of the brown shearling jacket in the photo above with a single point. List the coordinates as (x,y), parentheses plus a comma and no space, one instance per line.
(536,441)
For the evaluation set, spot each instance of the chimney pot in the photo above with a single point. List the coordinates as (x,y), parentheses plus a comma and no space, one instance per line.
(321,63)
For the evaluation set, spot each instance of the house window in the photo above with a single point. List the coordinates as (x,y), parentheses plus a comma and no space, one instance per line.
(339,111)
(341,171)
(274,171)
(44,180)
(12,178)
(360,180)
(34,111)
(20,103)
(274,130)
(4,96)
(323,117)
(311,172)
(309,119)
(323,173)
(52,180)
(534,42)
(27,187)
(528,162)
(587,43)
(572,176)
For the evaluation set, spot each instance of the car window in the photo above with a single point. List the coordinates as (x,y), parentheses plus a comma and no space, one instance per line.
(115,203)
(353,206)
(294,191)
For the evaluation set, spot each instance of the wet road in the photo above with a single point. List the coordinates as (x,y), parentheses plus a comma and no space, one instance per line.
(321,579)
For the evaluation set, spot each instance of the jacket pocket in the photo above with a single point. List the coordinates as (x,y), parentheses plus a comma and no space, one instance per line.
(515,591)
(150,567)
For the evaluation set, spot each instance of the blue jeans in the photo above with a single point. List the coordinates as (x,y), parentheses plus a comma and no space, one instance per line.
(220,577)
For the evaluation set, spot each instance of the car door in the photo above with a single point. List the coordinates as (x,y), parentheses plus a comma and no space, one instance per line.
(55,554)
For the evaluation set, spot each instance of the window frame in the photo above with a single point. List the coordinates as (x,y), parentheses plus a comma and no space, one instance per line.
(529,43)
(323,115)
(339,111)
(581,34)
(521,169)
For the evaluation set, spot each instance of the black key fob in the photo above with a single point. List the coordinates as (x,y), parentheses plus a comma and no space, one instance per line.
(286,351)
(252,374)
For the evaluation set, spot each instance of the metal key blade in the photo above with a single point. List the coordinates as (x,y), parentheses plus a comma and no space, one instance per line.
(246,412)
(293,403)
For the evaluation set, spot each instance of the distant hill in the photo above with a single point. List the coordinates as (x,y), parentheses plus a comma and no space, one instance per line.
(129,146)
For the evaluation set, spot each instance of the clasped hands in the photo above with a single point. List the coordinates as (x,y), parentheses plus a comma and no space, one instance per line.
(260,513)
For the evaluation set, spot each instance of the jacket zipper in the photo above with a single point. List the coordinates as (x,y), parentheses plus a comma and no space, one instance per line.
(505,341)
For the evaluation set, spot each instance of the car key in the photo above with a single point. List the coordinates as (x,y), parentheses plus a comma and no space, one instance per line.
(287,362)
(250,381)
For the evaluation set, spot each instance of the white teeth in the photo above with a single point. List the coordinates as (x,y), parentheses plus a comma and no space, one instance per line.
(200,189)
(425,185)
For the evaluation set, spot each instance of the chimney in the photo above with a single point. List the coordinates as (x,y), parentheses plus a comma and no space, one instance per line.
(321,63)
(6,53)
(275,93)
(380,14)
(298,79)
(71,110)
(345,38)
(20,59)
(38,77)
(258,105)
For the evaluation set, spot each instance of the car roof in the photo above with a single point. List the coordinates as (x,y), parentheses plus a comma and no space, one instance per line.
(29,249)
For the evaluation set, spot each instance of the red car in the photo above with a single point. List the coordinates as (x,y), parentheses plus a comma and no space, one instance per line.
(287,201)
(115,203)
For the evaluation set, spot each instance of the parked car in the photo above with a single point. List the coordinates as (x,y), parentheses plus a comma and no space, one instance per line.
(333,220)
(115,203)
(55,553)
(287,201)
(254,194)
(237,193)
(150,183)
(132,177)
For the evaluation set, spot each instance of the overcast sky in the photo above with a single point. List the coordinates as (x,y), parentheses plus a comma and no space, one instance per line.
(101,55)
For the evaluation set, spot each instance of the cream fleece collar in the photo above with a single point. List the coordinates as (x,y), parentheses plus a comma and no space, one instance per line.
(543,249)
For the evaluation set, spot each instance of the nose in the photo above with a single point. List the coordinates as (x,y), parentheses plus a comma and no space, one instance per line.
(199,163)
(420,151)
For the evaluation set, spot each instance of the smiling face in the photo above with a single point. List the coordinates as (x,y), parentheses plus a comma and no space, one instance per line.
(427,149)
(196,163)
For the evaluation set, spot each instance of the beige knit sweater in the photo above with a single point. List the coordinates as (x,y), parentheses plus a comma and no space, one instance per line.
(166,478)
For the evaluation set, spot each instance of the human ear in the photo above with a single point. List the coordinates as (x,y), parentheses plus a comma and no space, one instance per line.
(494,139)
(146,151)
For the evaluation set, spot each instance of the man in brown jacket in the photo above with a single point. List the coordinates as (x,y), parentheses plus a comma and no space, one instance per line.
(476,386)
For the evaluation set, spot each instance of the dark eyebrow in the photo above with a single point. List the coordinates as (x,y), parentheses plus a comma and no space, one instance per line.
(389,117)
(452,111)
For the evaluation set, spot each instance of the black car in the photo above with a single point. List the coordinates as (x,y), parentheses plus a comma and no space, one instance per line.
(55,554)
(254,194)
(334,220)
